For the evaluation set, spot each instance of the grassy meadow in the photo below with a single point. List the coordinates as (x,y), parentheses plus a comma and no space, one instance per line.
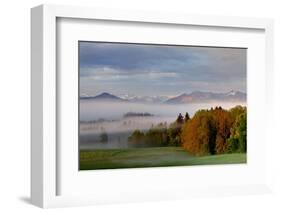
(151,157)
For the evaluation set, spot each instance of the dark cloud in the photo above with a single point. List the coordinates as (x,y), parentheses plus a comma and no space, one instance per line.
(133,57)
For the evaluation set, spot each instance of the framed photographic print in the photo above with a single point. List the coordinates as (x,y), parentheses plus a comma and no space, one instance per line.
(149,106)
(135,110)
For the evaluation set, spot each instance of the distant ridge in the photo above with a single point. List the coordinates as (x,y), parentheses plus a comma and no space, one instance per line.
(193,97)
(104,97)
(200,97)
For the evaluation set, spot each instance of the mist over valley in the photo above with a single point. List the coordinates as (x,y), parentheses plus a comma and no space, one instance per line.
(116,118)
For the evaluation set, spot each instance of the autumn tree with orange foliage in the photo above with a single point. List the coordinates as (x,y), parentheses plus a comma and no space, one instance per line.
(198,134)
(208,132)
(223,123)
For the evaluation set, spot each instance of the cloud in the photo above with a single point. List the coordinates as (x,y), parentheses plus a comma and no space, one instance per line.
(133,57)
(109,74)
(148,66)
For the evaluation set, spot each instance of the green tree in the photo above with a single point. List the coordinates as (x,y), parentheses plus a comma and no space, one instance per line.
(237,111)
(103,137)
(180,119)
(242,129)
(232,144)
(186,117)
(137,139)
(156,137)
(237,141)
(174,138)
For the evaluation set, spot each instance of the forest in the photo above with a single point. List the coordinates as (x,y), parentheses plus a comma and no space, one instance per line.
(208,132)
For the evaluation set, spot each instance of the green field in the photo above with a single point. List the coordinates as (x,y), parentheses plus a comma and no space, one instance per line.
(150,157)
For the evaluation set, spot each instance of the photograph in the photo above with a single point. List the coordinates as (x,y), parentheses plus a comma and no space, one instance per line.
(161,105)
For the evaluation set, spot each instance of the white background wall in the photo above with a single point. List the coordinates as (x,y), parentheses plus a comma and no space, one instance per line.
(15,104)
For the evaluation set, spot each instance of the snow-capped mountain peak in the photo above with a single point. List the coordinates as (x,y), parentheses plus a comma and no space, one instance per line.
(198,96)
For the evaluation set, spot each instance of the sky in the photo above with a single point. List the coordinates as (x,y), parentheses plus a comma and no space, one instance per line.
(159,70)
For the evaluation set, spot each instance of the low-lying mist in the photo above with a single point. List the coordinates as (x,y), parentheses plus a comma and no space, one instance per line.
(98,119)
(94,110)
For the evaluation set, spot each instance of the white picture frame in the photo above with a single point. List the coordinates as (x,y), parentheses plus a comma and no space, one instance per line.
(44,148)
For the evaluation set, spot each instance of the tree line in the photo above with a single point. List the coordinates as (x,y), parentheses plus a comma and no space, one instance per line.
(212,131)
(159,135)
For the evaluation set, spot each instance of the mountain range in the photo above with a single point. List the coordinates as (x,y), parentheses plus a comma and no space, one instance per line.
(198,97)
(185,98)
